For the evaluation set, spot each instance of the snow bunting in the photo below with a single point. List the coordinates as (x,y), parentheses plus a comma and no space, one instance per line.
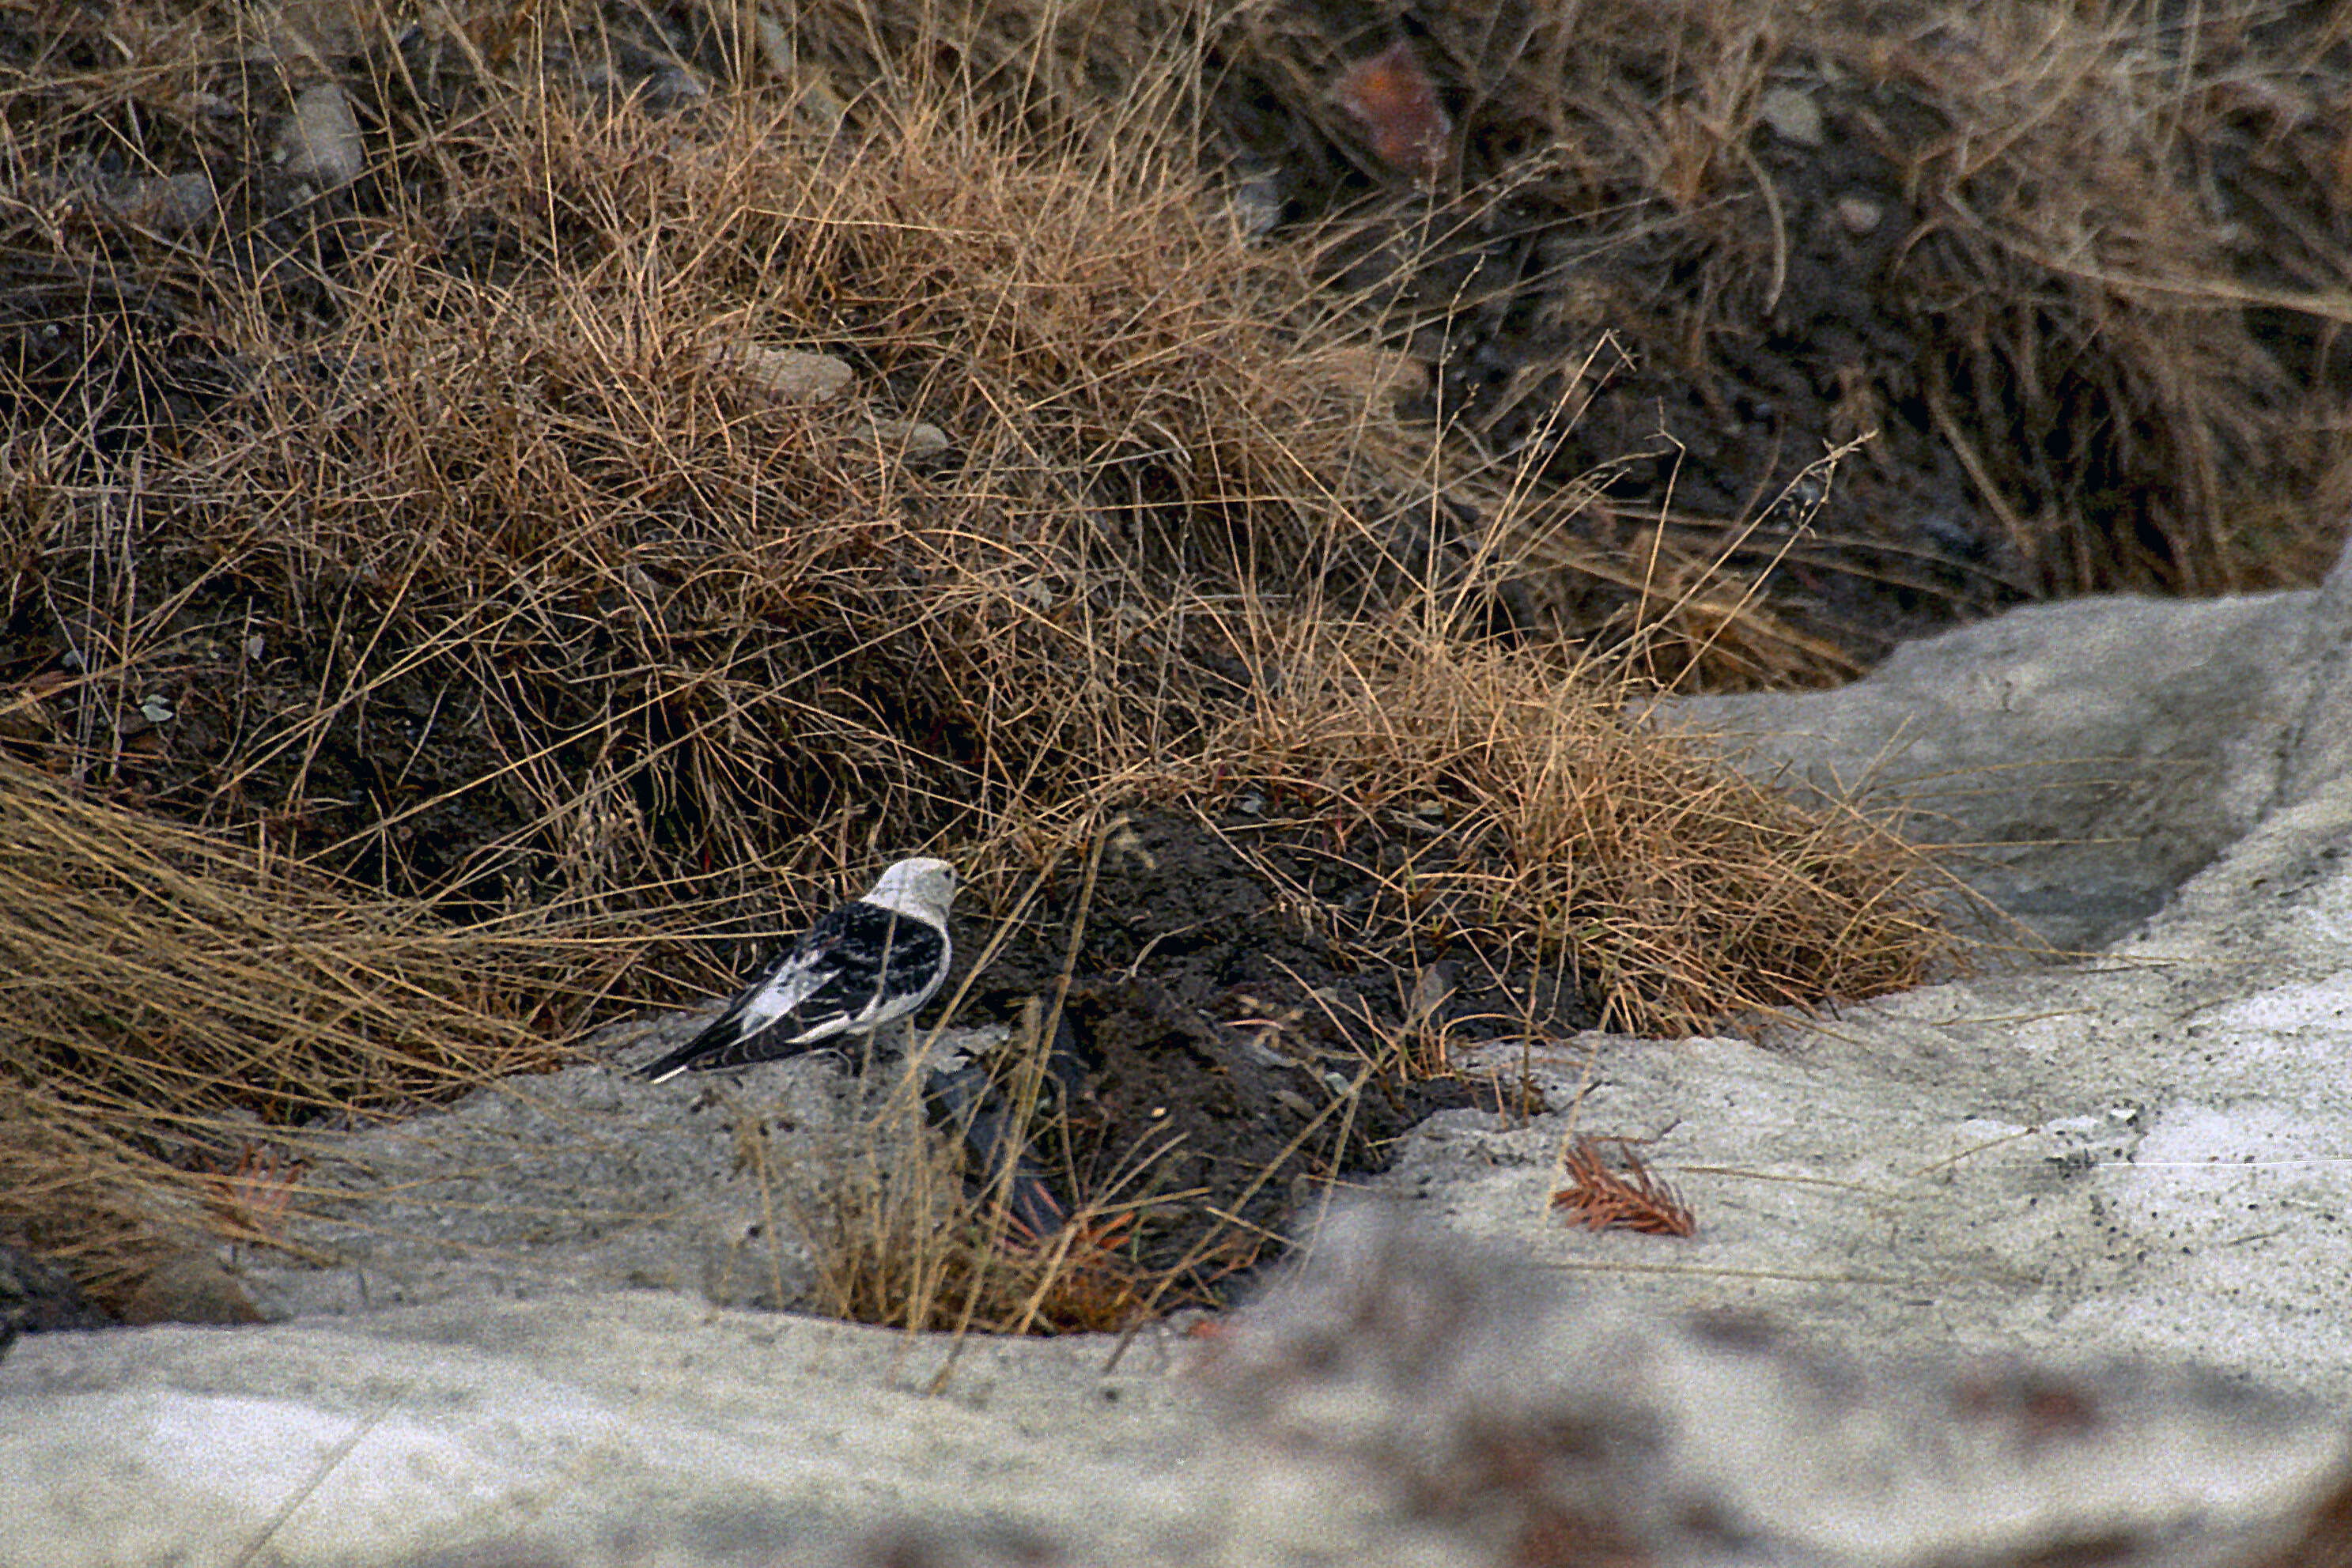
(866,964)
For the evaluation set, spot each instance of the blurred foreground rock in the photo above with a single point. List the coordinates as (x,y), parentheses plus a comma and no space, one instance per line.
(1399,1399)
(1504,1408)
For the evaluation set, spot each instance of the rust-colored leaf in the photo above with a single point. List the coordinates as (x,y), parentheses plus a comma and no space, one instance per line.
(1392,96)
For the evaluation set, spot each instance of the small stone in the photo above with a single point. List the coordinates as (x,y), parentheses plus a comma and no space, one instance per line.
(313,38)
(192,1288)
(1793,116)
(171,204)
(1859,214)
(671,89)
(909,440)
(1430,992)
(787,375)
(1256,204)
(816,99)
(321,140)
(36,1295)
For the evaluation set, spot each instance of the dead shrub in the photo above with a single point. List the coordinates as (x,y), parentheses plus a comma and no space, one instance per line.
(1679,893)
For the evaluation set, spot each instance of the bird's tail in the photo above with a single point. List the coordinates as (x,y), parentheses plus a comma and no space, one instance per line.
(727,1044)
(669,1066)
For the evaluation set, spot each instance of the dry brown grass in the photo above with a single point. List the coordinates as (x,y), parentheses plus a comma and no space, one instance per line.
(1683,894)
(2126,263)
(900,1240)
(497,579)
(673,605)
(2075,198)
(171,995)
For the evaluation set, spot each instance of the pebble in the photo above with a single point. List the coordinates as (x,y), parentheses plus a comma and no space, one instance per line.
(909,440)
(169,204)
(787,375)
(321,140)
(1793,116)
(1859,214)
(192,1288)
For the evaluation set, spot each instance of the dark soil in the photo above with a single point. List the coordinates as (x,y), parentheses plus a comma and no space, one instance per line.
(1597,345)
(1246,916)
(1232,1022)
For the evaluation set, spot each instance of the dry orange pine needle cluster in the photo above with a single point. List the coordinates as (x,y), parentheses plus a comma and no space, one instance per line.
(250,1200)
(1600,1198)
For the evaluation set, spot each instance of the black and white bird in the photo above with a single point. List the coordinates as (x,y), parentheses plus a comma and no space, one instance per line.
(865,965)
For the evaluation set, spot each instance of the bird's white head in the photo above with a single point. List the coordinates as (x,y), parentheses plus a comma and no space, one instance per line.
(922,888)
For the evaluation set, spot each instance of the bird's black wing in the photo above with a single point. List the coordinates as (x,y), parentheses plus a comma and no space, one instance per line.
(858,957)
(877,961)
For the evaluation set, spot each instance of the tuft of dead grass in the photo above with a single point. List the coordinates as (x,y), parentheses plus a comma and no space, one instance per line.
(898,1242)
(169,995)
(1678,893)
(906,1235)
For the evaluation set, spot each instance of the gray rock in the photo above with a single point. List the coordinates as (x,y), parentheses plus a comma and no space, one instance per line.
(1536,1426)
(1997,1224)
(170,204)
(916,442)
(1793,116)
(2138,1152)
(575,1180)
(37,1296)
(2091,756)
(786,375)
(320,141)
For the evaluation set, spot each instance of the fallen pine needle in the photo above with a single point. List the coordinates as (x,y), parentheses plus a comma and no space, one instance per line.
(1600,1198)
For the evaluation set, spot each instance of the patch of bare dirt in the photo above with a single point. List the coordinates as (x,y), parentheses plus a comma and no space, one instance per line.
(1234,1026)
(2075,274)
